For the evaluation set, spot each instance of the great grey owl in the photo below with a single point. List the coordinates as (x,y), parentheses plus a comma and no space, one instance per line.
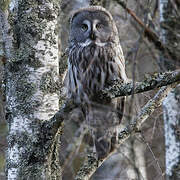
(95,59)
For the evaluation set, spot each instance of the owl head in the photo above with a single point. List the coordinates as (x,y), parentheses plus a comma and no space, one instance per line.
(92,25)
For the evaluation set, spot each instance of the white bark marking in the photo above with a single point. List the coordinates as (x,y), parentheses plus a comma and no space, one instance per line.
(13,158)
(48,108)
(49,58)
(13,5)
(14,154)
(12,173)
(20,124)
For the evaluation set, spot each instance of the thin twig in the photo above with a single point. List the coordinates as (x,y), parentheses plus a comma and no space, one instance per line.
(153,155)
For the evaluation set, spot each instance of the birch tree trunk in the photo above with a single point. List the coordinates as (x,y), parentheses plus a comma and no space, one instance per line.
(32,91)
(170,29)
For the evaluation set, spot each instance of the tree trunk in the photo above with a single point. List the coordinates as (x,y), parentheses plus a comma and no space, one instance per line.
(32,90)
(169,19)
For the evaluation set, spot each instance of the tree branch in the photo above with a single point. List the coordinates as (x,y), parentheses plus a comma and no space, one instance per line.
(154,81)
(91,163)
(56,121)
(152,36)
(117,89)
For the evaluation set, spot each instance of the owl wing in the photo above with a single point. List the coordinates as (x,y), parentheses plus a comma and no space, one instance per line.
(120,104)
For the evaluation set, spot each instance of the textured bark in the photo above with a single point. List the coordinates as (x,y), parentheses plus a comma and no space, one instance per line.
(32,96)
(3,37)
(3,124)
(171,105)
(152,82)
(32,90)
(171,108)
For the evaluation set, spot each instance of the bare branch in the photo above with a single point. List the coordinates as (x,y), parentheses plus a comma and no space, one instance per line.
(152,36)
(89,167)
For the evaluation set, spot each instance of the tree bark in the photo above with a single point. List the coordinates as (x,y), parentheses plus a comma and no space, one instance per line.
(32,90)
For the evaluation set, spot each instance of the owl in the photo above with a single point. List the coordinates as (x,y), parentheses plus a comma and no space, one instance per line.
(95,59)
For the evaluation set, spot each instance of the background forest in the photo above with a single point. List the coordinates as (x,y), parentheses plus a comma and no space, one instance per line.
(149,32)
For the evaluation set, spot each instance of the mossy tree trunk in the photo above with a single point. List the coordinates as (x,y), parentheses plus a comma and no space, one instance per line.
(32,90)
(170,29)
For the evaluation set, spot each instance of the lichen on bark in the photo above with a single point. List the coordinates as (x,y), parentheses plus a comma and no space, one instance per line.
(32,88)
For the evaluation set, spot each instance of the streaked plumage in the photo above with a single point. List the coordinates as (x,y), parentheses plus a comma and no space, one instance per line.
(96,58)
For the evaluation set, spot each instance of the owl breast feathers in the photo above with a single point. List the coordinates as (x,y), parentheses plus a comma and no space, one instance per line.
(95,55)
(95,58)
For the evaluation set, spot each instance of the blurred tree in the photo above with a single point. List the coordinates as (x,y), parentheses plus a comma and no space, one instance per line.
(170,31)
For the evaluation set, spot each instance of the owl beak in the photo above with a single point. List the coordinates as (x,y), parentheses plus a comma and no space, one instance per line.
(93,36)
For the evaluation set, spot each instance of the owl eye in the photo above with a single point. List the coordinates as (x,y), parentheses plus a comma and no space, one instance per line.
(99,26)
(84,27)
